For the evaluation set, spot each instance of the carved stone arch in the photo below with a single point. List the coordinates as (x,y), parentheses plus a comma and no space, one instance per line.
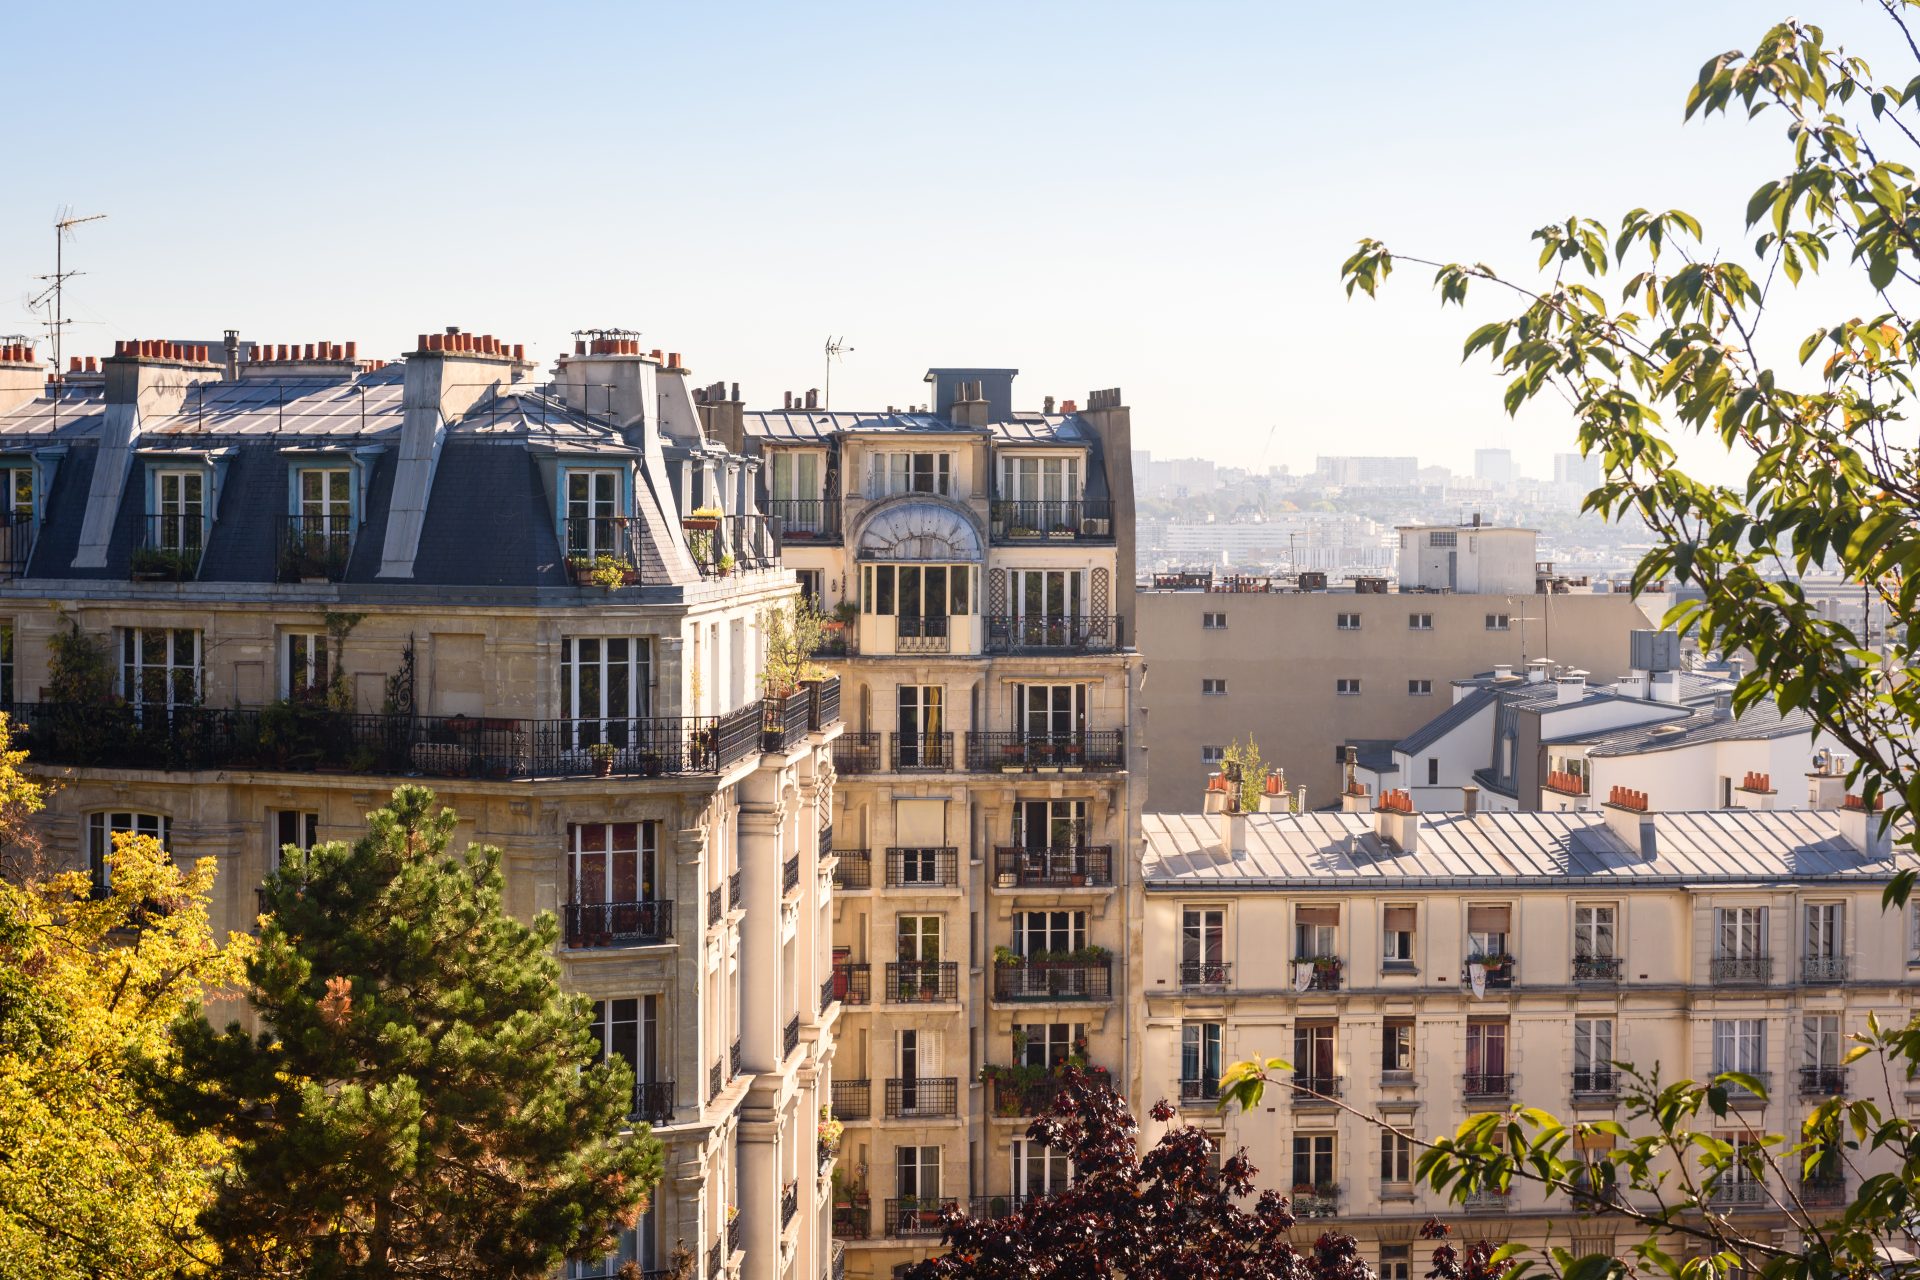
(918,529)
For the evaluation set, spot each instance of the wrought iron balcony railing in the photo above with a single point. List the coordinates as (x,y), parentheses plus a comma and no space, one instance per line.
(1737,1191)
(790,874)
(1204,1089)
(1487,1084)
(1823,1081)
(923,1098)
(1205,974)
(591,925)
(16,543)
(857,753)
(853,869)
(1487,1201)
(1030,1091)
(853,1221)
(852,983)
(1596,1080)
(911,1217)
(314,547)
(789,1204)
(921,752)
(923,981)
(923,868)
(1499,976)
(171,547)
(1323,973)
(1038,634)
(1819,969)
(918,633)
(790,1038)
(807,519)
(1311,1089)
(716,905)
(1320,1200)
(653,1101)
(1051,520)
(1741,969)
(1061,867)
(853,1099)
(1056,980)
(1017,752)
(1596,968)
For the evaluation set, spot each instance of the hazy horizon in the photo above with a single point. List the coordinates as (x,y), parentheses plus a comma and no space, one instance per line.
(1113,195)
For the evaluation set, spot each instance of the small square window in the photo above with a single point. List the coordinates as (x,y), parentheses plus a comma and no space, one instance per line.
(1498,621)
(1349,621)
(1419,688)
(1419,622)
(1213,687)
(1347,685)
(1213,621)
(1212,755)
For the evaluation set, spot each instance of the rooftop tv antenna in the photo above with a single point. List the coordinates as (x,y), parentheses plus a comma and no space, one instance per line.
(836,347)
(56,287)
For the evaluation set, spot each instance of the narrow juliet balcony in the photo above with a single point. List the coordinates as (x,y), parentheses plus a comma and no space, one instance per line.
(852,869)
(592,925)
(170,548)
(856,753)
(922,752)
(1596,970)
(923,868)
(1741,970)
(314,548)
(852,983)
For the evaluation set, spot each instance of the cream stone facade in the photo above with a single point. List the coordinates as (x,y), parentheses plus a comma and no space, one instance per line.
(1688,942)
(317,577)
(981,559)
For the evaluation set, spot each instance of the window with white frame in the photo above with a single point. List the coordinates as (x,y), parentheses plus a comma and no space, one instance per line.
(180,508)
(1316,932)
(918,939)
(1396,1262)
(1203,945)
(292,828)
(1826,939)
(1216,754)
(1347,685)
(19,482)
(326,500)
(1419,688)
(896,473)
(1419,622)
(629,1029)
(1058,932)
(605,685)
(917,1173)
(1499,622)
(592,512)
(1488,927)
(1042,492)
(1213,621)
(1740,1044)
(1049,595)
(1396,1157)
(1046,1044)
(1213,686)
(1039,1169)
(1200,1059)
(304,665)
(1396,1046)
(1740,933)
(159,667)
(798,489)
(917,591)
(1313,1164)
(1347,622)
(103,827)
(1593,932)
(1592,1055)
(613,862)
(1050,710)
(1821,1048)
(1397,926)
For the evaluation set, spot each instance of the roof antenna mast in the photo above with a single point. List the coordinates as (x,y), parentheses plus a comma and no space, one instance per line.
(836,347)
(62,231)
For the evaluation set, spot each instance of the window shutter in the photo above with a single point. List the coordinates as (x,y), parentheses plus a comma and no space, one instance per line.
(1316,915)
(929,1055)
(1400,919)
(1489,919)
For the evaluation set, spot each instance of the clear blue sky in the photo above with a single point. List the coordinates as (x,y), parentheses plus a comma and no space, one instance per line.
(1152,197)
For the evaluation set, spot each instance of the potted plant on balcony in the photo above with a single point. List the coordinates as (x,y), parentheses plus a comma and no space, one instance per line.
(157,564)
(831,1131)
(701,518)
(1061,529)
(601,753)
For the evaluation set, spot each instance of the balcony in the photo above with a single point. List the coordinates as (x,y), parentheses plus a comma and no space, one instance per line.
(1596,1082)
(714,1080)
(724,544)
(716,905)
(604,551)
(930,634)
(1061,867)
(922,752)
(736,1236)
(853,869)
(314,548)
(652,1102)
(855,753)
(1744,970)
(790,875)
(1486,1084)
(829,992)
(1499,973)
(923,1099)
(593,925)
(16,543)
(170,548)
(1205,1089)
(824,702)
(1733,1191)
(1323,973)
(923,868)
(809,520)
(1089,980)
(790,1038)
(1205,975)
(922,981)
(853,1099)
(734,896)
(1822,969)
(1020,1091)
(998,1206)
(852,983)
(307,737)
(853,1220)
(1051,520)
(1029,634)
(1016,752)
(1739,1094)
(733,1057)
(917,1218)
(1487,1202)
(717,1259)
(789,1204)
(1312,1090)
(789,719)
(1823,1082)
(1596,969)
(837,1262)
(1315,1200)
(1823,1190)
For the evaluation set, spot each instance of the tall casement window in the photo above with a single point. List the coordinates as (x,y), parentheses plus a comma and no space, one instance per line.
(295,828)
(1396,1158)
(1049,824)
(1050,710)
(1486,1056)
(919,725)
(1826,956)
(1203,946)
(1397,926)
(159,667)
(303,670)
(1039,1169)
(180,509)
(103,827)
(916,1172)
(592,512)
(19,493)
(918,939)
(892,473)
(1200,1059)
(1488,925)
(1044,485)
(797,481)
(326,500)
(629,1029)
(1740,1044)
(1313,1161)
(1046,1044)
(1396,1046)
(606,683)
(917,592)
(1313,1056)
(1593,931)
(1037,933)
(1041,596)
(1593,1056)
(613,862)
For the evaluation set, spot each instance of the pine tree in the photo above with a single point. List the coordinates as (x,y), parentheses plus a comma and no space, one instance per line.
(423,1101)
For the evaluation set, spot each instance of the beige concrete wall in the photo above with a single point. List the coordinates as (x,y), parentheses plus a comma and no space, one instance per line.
(1282,653)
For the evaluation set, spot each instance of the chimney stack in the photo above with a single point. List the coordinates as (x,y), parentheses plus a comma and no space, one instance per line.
(1570,688)
(1046,405)
(1470,800)
(1396,823)
(21,377)
(1625,812)
(1865,829)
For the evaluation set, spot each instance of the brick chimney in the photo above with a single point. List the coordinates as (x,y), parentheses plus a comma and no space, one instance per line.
(1864,828)
(22,376)
(269,361)
(1626,815)
(1396,822)
(1754,792)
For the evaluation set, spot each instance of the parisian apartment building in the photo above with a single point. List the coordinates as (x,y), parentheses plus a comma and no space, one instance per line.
(976,561)
(1426,966)
(250,587)
(1307,665)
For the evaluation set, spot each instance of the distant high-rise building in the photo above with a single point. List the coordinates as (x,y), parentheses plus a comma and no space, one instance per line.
(1366,470)
(1495,466)
(1571,468)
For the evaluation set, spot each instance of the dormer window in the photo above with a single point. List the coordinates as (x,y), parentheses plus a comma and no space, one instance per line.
(19,481)
(592,512)
(16,533)
(320,530)
(895,473)
(176,533)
